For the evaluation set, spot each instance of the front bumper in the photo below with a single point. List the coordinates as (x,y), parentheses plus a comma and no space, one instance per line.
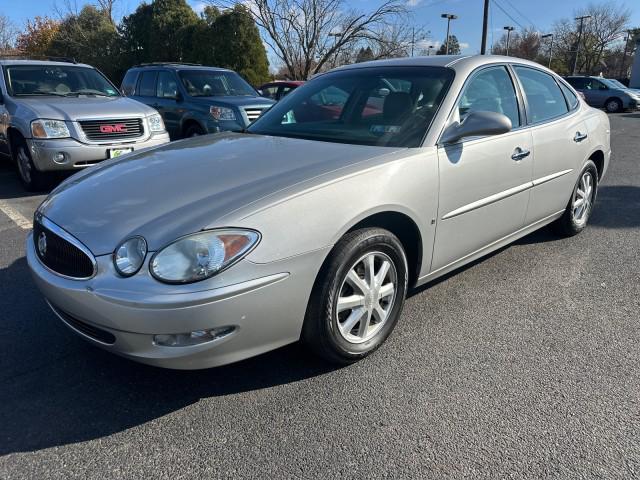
(267,311)
(80,155)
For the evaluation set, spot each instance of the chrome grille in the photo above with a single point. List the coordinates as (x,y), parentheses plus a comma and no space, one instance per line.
(61,255)
(253,113)
(115,129)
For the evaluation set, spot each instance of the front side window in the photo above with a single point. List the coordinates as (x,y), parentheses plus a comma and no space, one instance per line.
(544,97)
(147,85)
(491,90)
(213,83)
(57,80)
(167,85)
(391,106)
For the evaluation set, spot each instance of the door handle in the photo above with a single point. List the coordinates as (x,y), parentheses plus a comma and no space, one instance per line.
(580,137)
(519,154)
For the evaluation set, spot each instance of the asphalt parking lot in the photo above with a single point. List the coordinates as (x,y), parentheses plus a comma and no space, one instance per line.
(522,365)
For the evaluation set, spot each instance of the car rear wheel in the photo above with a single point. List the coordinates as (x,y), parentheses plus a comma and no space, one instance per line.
(579,208)
(358,297)
(32,179)
(613,105)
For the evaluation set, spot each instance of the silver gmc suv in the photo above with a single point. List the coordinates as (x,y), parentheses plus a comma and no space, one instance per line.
(57,115)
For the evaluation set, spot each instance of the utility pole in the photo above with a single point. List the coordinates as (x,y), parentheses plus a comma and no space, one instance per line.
(549,35)
(485,20)
(575,60)
(509,29)
(449,17)
(429,50)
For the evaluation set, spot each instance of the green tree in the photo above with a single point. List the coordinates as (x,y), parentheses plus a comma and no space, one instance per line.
(454,46)
(158,32)
(89,37)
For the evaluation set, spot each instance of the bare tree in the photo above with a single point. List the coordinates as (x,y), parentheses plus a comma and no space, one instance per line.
(525,44)
(8,34)
(309,36)
(107,7)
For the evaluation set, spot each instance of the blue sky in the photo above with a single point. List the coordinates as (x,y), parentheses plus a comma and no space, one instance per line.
(426,13)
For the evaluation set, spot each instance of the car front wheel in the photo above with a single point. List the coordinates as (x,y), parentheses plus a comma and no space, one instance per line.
(32,179)
(358,297)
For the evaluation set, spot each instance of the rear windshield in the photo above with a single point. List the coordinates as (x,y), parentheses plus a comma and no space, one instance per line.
(55,80)
(204,83)
(390,106)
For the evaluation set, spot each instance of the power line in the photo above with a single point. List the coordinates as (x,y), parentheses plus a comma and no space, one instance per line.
(521,14)
(508,15)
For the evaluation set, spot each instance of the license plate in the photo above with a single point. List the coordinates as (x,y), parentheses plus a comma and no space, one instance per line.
(117,152)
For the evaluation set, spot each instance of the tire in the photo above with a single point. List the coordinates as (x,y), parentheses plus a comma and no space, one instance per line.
(613,105)
(194,130)
(32,179)
(574,219)
(342,337)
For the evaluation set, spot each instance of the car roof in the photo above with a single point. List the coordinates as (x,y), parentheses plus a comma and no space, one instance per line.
(460,63)
(178,66)
(7,61)
(285,82)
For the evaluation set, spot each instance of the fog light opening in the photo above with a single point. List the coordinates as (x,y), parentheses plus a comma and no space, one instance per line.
(59,157)
(196,337)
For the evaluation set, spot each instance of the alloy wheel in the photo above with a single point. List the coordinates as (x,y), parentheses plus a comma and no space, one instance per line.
(583,198)
(366,297)
(24,164)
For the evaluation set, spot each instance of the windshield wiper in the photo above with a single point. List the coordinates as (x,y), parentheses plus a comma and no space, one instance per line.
(56,94)
(86,92)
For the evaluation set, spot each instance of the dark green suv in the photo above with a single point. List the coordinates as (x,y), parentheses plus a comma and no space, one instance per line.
(195,100)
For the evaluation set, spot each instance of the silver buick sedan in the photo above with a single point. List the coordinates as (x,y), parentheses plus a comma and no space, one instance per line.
(313,223)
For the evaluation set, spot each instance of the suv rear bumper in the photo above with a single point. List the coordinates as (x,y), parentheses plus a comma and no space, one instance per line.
(80,155)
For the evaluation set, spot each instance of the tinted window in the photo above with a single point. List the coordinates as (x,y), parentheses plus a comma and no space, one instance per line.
(129,83)
(270,92)
(572,100)
(544,97)
(491,90)
(57,80)
(578,83)
(147,85)
(167,85)
(390,106)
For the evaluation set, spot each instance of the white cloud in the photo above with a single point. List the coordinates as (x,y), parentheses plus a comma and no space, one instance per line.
(413,3)
(463,45)
(199,7)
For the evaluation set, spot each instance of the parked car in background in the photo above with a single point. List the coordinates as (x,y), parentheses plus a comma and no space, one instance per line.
(602,93)
(619,84)
(57,115)
(195,100)
(278,89)
(315,228)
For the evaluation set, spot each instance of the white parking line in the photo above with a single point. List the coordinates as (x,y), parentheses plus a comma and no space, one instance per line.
(17,218)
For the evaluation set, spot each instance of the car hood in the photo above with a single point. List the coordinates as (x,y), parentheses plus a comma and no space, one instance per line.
(236,101)
(185,186)
(77,108)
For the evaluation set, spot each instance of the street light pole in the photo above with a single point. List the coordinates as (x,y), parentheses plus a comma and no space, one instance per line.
(449,17)
(509,29)
(549,35)
(485,21)
(575,60)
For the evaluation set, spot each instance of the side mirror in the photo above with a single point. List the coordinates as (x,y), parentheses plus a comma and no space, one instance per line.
(603,87)
(179,97)
(476,124)
(260,92)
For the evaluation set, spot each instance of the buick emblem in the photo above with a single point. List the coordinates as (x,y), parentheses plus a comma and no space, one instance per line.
(42,244)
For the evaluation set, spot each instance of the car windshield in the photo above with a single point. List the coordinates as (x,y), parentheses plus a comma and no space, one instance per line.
(57,80)
(615,84)
(386,106)
(212,83)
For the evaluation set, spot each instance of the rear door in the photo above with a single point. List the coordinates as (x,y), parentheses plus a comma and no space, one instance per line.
(484,181)
(560,141)
(146,88)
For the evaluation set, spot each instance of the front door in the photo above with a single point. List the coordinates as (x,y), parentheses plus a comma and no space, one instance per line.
(484,182)
(167,102)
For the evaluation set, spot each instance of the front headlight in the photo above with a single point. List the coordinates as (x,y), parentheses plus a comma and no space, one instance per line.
(202,255)
(156,125)
(49,129)
(222,113)
(129,256)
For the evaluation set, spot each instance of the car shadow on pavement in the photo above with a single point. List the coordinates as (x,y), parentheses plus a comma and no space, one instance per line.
(58,390)
(622,207)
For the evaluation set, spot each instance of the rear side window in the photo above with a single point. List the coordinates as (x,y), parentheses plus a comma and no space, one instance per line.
(128,86)
(147,85)
(572,100)
(491,90)
(576,82)
(544,97)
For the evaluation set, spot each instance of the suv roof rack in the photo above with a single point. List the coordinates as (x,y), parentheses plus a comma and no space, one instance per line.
(159,64)
(21,56)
